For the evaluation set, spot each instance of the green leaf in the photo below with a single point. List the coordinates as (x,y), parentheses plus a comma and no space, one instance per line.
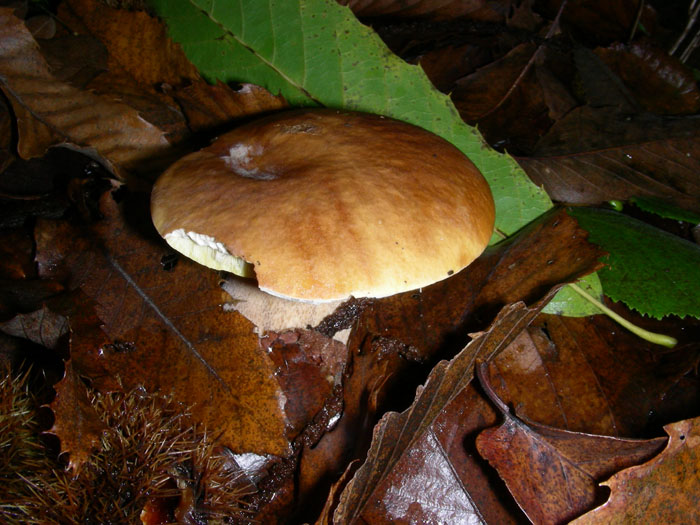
(315,52)
(650,270)
(665,209)
(571,304)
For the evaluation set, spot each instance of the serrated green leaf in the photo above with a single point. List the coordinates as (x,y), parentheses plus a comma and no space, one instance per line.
(315,52)
(650,270)
(665,209)
(571,304)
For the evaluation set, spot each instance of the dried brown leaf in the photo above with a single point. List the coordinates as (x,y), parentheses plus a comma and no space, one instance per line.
(636,156)
(43,327)
(553,473)
(79,118)
(663,490)
(137,43)
(76,423)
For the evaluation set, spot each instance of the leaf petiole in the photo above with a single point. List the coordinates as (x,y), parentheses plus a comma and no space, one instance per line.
(659,339)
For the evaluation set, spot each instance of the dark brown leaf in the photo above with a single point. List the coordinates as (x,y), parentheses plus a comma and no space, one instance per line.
(645,156)
(75,59)
(600,21)
(484,10)
(43,327)
(661,83)
(553,473)
(588,375)
(509,86)
(16,254)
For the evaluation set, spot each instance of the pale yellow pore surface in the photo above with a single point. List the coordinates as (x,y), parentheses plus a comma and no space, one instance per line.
(328,205)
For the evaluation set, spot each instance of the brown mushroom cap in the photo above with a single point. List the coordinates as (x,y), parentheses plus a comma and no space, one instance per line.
(326,205)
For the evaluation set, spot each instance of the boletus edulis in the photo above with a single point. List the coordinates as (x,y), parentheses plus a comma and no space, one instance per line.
(319,205)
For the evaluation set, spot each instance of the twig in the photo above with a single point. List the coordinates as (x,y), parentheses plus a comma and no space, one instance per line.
(694,11)
(635,25)
(527,67)
(691,47)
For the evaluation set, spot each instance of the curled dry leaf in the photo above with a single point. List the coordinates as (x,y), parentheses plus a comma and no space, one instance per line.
(552,473)
(663,490)
(79,118)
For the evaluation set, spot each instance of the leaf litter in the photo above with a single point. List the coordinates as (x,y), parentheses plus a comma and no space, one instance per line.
(396,342)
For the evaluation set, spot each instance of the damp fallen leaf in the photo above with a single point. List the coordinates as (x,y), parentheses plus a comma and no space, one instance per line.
(552,473)
(663,490)
(163,328)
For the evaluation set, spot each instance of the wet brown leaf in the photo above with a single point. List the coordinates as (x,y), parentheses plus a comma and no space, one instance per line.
(587,375)
(553,473)
(76,423)
(663,490)
(636,156)
(120,135)
(163,327)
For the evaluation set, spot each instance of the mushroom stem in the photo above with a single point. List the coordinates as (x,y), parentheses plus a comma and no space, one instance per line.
(652,337)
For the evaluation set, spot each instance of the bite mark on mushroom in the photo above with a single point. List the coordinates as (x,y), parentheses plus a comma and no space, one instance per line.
(240,160)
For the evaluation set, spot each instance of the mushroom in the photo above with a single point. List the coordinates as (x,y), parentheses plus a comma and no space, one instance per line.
(320,206)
